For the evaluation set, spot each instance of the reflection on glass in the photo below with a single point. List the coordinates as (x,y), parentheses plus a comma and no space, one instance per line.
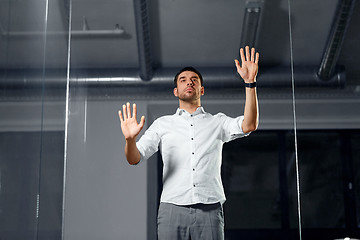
(250,175)
(105,73)
(31,126)
(19,183)
(321,180)
(21,120)
(328,117)
(355,146)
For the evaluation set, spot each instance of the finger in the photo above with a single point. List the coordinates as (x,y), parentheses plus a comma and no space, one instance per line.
(134,110)
(242,56)
(252,54)
(142,121)
(128,110)
(257,58)
(124,111)
(120,116)
(247,52)
(237,64)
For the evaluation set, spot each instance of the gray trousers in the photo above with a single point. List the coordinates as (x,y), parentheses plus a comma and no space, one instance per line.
(193,222)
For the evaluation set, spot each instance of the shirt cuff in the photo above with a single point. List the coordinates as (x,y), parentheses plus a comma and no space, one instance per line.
(141,151)
(240,121)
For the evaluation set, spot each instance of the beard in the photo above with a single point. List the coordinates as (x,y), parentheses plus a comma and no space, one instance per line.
(189,96)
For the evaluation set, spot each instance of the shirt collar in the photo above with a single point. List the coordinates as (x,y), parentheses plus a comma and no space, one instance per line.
(199,110)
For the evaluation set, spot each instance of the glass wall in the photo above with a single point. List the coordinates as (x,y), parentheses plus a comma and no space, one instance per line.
(328,118)
(67,67)
(33,61)
(104,195)
(101,200)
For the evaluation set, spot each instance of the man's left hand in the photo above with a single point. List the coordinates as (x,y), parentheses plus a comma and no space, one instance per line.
(249,64)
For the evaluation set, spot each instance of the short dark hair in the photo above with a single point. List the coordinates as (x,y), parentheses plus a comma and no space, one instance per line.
(191,69)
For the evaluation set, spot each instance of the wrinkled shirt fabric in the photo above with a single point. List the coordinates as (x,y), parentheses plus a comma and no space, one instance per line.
(191,149)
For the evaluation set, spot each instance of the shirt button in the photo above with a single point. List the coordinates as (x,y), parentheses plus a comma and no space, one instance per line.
(193,169)
(192,138)
(194,185)
(191,125)
(193,153)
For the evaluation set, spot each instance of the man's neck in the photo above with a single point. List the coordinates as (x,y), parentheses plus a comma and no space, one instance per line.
(189,106)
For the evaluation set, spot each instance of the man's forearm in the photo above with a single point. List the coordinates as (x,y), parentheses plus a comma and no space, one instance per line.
(131,152)
(251,115)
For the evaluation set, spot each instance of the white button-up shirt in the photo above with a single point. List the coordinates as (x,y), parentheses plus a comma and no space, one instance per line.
(191,149)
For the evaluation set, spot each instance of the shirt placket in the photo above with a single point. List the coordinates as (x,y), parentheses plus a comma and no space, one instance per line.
(193,153)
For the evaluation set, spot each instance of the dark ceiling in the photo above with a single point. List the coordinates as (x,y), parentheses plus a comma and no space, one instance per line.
(203,33)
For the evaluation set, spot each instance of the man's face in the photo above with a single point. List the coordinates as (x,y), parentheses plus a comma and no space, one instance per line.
(188,86)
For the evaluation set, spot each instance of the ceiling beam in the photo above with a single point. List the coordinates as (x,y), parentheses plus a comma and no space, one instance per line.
(336,37)
(143,39)
(251,23)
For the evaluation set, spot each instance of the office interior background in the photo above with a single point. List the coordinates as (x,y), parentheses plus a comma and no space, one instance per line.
(67,66)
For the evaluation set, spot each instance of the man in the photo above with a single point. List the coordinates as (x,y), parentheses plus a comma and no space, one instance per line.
(191,142)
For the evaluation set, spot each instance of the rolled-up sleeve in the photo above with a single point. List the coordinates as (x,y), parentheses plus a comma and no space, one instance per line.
(149,142)
(232,128)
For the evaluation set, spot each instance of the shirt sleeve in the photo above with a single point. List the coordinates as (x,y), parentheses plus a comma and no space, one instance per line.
(232,128)
(149,142)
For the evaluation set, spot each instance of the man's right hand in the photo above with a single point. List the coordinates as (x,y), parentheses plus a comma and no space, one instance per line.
(129,125)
